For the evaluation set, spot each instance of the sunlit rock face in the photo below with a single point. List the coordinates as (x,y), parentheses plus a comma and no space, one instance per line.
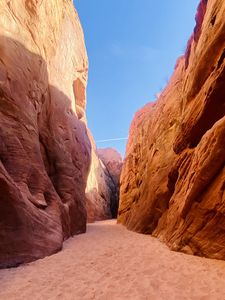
(45,151)
(102,191)
(173,179)
(98,191)
(113,162)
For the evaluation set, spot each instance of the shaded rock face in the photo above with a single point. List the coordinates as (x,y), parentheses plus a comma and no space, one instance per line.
(98,189)
(102,190)
(113,163)
(173,178)
(45,151)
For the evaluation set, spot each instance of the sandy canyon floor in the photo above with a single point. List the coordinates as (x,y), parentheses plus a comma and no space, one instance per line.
(109,262)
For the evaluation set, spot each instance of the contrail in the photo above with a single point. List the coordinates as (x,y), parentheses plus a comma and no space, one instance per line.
(110,140)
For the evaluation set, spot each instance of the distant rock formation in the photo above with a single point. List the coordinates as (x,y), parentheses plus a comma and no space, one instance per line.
(45,148)
(173,179)
(113,163)
(102,186)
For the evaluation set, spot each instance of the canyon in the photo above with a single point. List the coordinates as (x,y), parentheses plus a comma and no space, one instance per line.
(55,184)
(173,178)
(169,191)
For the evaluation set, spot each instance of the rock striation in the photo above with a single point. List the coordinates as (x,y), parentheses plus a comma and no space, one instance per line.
(173,178)
(102,186)
(45,147)
(45,151)
(113,163)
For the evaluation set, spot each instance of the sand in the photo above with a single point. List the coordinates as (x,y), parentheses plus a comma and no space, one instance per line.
(110,262)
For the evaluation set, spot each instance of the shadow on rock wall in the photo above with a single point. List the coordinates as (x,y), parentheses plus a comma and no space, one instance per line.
(44,160)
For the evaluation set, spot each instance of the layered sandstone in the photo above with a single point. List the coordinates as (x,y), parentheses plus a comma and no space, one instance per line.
(45,149)
(173,177)
(99,190)
(113,162)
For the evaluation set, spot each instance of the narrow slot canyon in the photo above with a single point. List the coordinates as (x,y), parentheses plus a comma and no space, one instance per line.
(136,217)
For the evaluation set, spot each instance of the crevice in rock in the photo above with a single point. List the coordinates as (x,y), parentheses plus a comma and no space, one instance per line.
(214,110)
(46,157)
(172,179)
(221,59)
(213,20)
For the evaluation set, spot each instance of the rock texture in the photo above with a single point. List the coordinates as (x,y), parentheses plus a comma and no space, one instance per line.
(45,148)
(101,189)
(173,179)
(113,163)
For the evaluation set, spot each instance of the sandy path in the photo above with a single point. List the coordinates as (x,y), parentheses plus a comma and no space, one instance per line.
(109,262)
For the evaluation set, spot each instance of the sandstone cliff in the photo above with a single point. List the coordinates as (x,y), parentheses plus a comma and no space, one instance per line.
(101,190)
(173,179)
(113,163)
(45,149)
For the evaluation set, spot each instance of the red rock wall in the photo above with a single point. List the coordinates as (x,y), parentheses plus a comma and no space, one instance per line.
(102,190)
(45,150)
(173,177)
(99,189)
(113,162)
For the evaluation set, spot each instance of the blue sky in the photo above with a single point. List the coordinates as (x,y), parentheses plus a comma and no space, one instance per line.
(132,48)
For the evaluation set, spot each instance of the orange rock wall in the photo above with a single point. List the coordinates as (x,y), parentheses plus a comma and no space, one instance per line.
(113,162)
(173,178)
(102,188)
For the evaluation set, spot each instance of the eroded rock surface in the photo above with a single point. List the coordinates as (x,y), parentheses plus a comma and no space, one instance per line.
(99,189)
(45,149)
(173,179)
(113,162)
